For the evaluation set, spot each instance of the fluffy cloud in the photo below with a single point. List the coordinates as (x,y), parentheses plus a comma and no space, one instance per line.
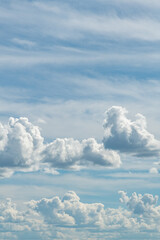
(9,213)
(69,211)
(22,148)
(141,204)
(128,136)
(70,153)
(18,224)
(142,213)
(52,218)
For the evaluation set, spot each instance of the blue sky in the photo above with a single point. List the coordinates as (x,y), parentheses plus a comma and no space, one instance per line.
(79,113)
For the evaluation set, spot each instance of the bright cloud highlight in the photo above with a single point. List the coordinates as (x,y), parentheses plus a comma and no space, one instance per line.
(22,148)
(51,217)
(128,136)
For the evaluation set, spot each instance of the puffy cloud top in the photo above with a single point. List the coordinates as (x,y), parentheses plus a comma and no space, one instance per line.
(140,204)
(9,213)
(48,215)
(22,148)
(70,153)
(128,136)
(20,145)
(69,210)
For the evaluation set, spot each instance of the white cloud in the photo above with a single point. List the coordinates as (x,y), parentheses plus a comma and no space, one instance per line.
(52,218)
(22,148)
(153,170)
(128,136)
(70,153)
(9,213)
(63,21)
(142,214)
(86,23)
(20,145)
(141,204)
(71,212)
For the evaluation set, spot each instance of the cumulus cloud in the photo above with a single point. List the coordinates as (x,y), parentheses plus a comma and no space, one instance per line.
(9,213)
(50,218)
(69,211)
(22,148)
(141,204)
(16,223)
(128,136)
(73,154)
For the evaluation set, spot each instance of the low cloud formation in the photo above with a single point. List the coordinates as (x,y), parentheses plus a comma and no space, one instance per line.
(128,136)
(50,218)
(22,148)
(9,213)
(69,211)
(141,204)
(68,153)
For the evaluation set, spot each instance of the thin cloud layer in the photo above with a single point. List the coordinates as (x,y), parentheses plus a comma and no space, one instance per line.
(128,136)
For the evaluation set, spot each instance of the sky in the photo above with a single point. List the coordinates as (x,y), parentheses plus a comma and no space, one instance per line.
(79,119)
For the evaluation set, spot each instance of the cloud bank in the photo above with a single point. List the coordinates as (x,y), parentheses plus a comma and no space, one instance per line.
(22,148)
(126,136)
(50,218)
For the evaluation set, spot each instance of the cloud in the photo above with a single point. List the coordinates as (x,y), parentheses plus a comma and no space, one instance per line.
(16,223)
(22,148)
(153,170)
(84,23)
(70,153)
(110,22)
(9,213)
(54,217)
(70,211)
(20,144)
(23,42)
(141,204)
(128,136)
